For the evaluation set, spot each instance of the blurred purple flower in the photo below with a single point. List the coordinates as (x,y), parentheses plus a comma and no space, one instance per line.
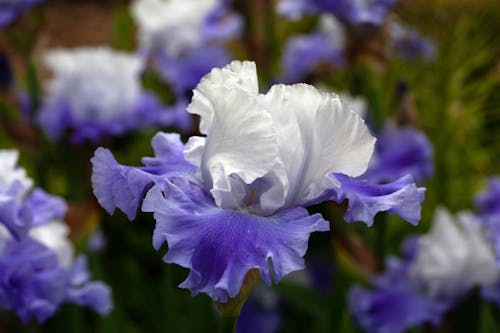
(401,151)
(240,203)
(105,99)
(408,44)
(11,9)
(395,305)
(37,269)
(306,52)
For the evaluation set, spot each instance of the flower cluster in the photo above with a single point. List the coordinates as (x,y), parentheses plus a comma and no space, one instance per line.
(225,206)
(38,269)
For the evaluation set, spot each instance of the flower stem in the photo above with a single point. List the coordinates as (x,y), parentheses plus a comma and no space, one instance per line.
(230,311)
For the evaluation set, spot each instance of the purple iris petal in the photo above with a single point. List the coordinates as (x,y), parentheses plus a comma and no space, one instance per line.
(401,151)
(124,187)
(401,197)
(184,73)
(221,246)
(10,10)
(394,305)
(32,283)
(46,207)
(304,53)
(95,295)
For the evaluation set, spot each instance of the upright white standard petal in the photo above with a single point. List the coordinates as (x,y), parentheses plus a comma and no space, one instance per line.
(237,75)
(266,152)
(173,26)
(317,135)
(11,173)
(96,82)
(453,257)
(54,235)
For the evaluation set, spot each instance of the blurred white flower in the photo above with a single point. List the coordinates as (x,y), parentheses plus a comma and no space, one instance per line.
(453,257)
(173,26)
(97,83)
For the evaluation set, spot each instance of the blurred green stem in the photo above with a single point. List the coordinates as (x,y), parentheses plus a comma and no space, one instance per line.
(380,236)
(230,311)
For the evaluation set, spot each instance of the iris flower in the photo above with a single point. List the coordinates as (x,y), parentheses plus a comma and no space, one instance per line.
(234,199)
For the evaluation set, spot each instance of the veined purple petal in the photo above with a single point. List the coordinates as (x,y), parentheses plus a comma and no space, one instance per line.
(221,246)
(401,197)
(124,187)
